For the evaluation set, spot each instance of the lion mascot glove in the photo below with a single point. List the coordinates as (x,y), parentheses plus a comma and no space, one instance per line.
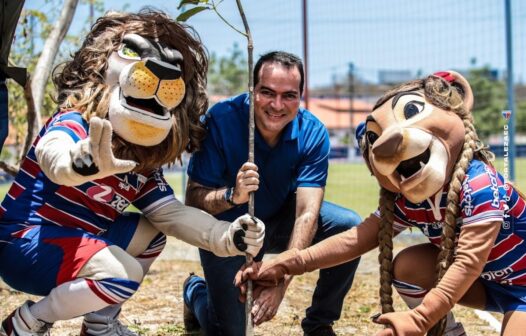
(129,102)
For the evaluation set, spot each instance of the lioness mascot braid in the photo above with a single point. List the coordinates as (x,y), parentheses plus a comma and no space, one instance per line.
(129,103)
(422,147)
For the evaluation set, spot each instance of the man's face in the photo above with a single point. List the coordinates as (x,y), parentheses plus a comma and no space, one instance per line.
(276,99)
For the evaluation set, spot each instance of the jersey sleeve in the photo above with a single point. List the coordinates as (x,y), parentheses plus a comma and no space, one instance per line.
(482,198)
(207,165)
(70,123)
(154,194)
(313,168)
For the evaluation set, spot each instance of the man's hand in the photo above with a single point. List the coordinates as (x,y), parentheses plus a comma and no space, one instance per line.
(247,234)
(247,180)
(266,302)
(94,155)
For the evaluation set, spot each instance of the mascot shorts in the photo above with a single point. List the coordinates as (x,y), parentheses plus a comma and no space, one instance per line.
(38,258)
(504,298)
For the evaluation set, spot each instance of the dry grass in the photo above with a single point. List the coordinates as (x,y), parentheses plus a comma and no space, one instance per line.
(156,309)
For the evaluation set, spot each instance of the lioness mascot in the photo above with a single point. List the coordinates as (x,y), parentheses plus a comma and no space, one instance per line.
(420,144)
(129,103)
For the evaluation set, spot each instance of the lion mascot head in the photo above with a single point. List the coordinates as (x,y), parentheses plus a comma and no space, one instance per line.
(146,74)
(417,142)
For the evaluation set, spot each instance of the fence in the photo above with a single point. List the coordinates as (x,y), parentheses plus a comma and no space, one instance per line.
(357,49)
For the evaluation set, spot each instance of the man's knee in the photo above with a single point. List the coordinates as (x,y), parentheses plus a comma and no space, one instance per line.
(339,218)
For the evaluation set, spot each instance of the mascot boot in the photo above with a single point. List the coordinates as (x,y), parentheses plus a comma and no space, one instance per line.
(22,322)
(102,325)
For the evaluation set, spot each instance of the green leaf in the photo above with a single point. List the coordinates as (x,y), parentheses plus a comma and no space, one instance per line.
(187,2)
(189,13)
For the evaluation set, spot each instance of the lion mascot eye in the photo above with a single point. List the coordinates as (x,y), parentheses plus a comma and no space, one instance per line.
(129,53)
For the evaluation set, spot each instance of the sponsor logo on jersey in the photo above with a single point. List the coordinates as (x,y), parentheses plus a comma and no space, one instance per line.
(496,275)
(494,187)
(105,194)
(468,199)
(101,193)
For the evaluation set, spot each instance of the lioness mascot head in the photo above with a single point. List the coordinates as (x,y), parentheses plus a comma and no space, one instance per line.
(418,140)
(145,73)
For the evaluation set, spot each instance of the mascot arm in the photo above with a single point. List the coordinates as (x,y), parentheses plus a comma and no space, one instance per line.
(474,246)
(335,250)
(343,247)
(198,228)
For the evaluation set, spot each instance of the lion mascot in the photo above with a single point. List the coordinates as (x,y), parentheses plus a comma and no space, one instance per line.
(129,102)
(435,175)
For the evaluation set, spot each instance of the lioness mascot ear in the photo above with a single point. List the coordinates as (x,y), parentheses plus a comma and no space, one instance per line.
(129,103)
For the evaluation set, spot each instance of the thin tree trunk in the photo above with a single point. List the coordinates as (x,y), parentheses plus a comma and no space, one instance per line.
(31,117)
(49,52)
(249,327)
(8,168)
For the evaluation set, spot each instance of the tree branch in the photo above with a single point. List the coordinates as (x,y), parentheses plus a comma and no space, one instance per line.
(32,122)
(49,52)
(9,168)
(225,21)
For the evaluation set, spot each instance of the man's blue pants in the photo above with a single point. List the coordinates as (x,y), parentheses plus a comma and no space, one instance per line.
(215,302)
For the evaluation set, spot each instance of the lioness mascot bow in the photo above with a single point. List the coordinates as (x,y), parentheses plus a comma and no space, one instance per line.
(129,103)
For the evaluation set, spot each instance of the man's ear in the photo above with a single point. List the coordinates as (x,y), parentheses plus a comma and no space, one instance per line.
(462,85)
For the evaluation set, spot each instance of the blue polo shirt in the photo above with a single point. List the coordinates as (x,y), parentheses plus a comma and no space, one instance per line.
(300,158)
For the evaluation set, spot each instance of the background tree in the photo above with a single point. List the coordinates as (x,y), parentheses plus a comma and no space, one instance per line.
(490,100)
(520,122)
(228,75)
(39,50)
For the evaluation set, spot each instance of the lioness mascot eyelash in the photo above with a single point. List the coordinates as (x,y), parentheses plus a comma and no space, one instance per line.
(129,103)
(420,144)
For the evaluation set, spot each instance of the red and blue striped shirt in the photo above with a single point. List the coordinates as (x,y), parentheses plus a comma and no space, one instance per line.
(33,199)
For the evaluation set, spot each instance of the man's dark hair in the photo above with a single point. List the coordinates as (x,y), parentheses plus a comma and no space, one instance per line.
(286,59)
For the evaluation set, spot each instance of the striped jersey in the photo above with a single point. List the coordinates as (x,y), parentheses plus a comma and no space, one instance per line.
(33,199)
(484,197)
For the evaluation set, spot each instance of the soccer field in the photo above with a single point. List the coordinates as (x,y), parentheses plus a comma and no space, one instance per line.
(349,185)
(352,186)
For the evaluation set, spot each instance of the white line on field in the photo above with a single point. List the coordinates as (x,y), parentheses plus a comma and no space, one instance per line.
(492,321)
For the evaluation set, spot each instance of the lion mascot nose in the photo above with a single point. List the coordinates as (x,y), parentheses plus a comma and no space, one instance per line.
(163,70)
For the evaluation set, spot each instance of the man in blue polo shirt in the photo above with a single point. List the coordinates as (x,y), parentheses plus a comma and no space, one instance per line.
(288,178)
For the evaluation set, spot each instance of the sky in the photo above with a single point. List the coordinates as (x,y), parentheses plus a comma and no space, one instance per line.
(413,36)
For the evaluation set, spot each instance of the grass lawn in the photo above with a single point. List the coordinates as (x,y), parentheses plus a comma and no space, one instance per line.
(156,309)
(352,186)
(349,185)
